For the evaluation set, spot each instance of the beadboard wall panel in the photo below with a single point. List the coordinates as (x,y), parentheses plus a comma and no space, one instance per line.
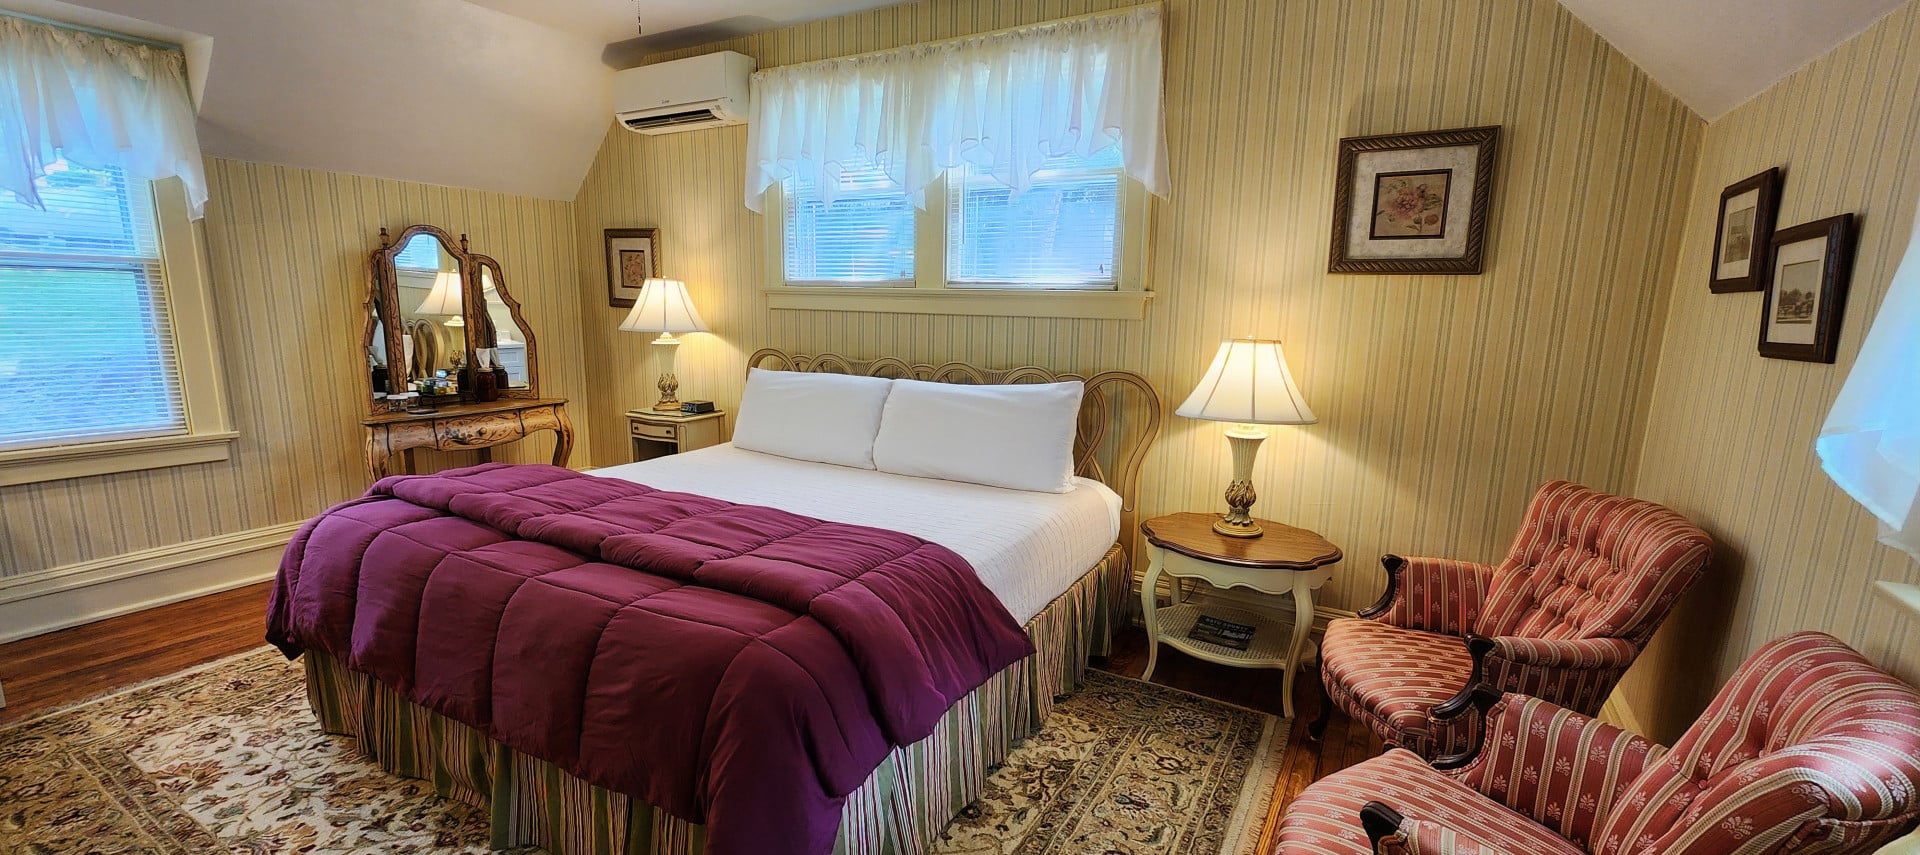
(288,251)
(1444,401)
(1729,437)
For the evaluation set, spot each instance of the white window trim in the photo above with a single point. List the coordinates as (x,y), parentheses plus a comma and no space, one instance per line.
(210,435)
(930,294)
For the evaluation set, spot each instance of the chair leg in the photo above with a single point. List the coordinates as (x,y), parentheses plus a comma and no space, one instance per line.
(1318,727)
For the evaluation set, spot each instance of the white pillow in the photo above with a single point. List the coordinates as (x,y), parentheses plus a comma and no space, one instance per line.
(829,418)
(1018,436)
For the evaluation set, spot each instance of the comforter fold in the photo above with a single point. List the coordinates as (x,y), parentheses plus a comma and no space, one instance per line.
(737,666)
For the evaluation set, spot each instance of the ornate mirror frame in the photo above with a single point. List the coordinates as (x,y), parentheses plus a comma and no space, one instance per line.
(382,308)
(481,331)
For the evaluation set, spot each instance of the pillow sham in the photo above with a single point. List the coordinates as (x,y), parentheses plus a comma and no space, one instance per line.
(826,418)
(1018,436)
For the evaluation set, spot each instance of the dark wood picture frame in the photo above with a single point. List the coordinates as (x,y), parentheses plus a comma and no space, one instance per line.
(652,237)
(1760,257)
(1471,261)
(1836,273)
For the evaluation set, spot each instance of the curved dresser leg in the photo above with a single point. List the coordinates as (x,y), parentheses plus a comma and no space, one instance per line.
(563,437)
(1149,604)
(1302,627)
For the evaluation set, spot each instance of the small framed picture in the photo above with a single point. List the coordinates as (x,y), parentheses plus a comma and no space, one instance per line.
(1413,203)
(1806,291)
(1744,234)
(633,257)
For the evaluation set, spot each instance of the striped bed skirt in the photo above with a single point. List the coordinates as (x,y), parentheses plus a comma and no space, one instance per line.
(900,810)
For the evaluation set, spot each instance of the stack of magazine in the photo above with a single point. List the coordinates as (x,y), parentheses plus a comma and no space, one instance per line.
(1224,633)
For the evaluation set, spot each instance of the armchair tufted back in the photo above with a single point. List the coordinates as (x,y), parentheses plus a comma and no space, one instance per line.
(1588,564)
(1809,748)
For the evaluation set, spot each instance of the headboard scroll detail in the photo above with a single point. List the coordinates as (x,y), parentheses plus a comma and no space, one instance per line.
(1119,415)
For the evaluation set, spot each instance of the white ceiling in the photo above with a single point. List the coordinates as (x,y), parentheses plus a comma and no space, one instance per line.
(511,95)
(1716,54)
(505,95)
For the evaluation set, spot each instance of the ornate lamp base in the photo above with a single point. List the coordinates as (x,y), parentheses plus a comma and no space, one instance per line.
(664,349)
(1238,521)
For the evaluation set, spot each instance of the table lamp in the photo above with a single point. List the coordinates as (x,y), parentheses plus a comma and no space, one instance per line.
(444,299)
(1249,385)
(665,308)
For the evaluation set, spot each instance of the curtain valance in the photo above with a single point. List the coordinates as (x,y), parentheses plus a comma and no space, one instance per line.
(97,102)
(1870,444)
(1004,102)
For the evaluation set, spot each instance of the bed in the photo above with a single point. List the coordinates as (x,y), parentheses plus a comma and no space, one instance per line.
(1057,562)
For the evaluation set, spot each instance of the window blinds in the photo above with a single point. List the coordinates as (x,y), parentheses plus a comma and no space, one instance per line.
(1061,233)
(864,234)
(86,346)
(421,253)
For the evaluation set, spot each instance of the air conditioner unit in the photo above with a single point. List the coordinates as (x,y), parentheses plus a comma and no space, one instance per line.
(706,91)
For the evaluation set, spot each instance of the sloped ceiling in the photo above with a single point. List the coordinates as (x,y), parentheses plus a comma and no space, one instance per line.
(512,95)
(505,95)
(1716,54)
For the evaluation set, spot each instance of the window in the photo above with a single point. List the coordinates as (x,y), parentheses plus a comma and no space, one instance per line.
(1062,233)
(419,255)
(978,248)
(89,340)
(864,236)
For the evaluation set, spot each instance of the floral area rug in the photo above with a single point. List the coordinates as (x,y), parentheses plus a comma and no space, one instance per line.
(227,758)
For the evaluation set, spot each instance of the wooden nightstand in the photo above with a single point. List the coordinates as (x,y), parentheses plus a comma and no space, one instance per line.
(658,434)
(1284,560)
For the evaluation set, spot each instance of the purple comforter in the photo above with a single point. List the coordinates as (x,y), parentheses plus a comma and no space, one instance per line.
(737,666)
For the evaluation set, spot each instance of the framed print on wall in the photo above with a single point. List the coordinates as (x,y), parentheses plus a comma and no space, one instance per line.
(1413,203)
(1807,290)
(1743,235)
(633,257)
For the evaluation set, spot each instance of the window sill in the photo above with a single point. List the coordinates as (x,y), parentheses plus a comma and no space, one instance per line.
(58,463)
(1902,595)
(1101,305)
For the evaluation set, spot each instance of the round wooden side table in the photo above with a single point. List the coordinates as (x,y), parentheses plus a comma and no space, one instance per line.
(1284,560)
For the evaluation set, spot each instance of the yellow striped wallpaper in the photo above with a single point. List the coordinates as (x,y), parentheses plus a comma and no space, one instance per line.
(1444,401)
(288,249)
(1729,438)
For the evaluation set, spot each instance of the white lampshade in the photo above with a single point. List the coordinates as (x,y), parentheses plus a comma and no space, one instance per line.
(1249,383)
(663,307)
(444,299)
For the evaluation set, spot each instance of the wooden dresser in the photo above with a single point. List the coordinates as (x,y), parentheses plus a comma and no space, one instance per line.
(464,427)
(443,333)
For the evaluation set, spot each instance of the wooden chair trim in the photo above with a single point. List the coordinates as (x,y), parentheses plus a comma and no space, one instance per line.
(1380,823)
(1124,452)
(1392,564)
(1482,698)
(1478,646)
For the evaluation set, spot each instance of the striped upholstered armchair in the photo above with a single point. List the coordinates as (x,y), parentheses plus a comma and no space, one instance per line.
(1587,581)
(1809,749)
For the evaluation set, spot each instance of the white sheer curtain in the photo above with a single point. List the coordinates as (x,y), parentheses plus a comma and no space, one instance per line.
(1002,101)
(1870,444)
(95,101)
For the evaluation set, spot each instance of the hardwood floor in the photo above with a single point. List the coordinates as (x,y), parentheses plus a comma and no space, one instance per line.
(53,670)
(59,668)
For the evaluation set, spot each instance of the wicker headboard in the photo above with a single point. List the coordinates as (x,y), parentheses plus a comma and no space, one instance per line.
(1119,416)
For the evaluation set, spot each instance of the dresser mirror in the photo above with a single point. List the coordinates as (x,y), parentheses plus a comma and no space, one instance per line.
(506,332)
(430,336)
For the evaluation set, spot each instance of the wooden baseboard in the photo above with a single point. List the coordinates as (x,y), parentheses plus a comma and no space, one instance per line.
(74,594)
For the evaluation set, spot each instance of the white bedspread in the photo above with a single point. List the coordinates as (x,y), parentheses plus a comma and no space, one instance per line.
(1027,547)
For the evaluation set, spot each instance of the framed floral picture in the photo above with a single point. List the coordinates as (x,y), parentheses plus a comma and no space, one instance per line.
(1744,234)
(1413,203)
(1806,291)
(633,257)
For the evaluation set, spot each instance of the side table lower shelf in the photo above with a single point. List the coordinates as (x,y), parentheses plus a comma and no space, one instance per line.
(1268,648)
